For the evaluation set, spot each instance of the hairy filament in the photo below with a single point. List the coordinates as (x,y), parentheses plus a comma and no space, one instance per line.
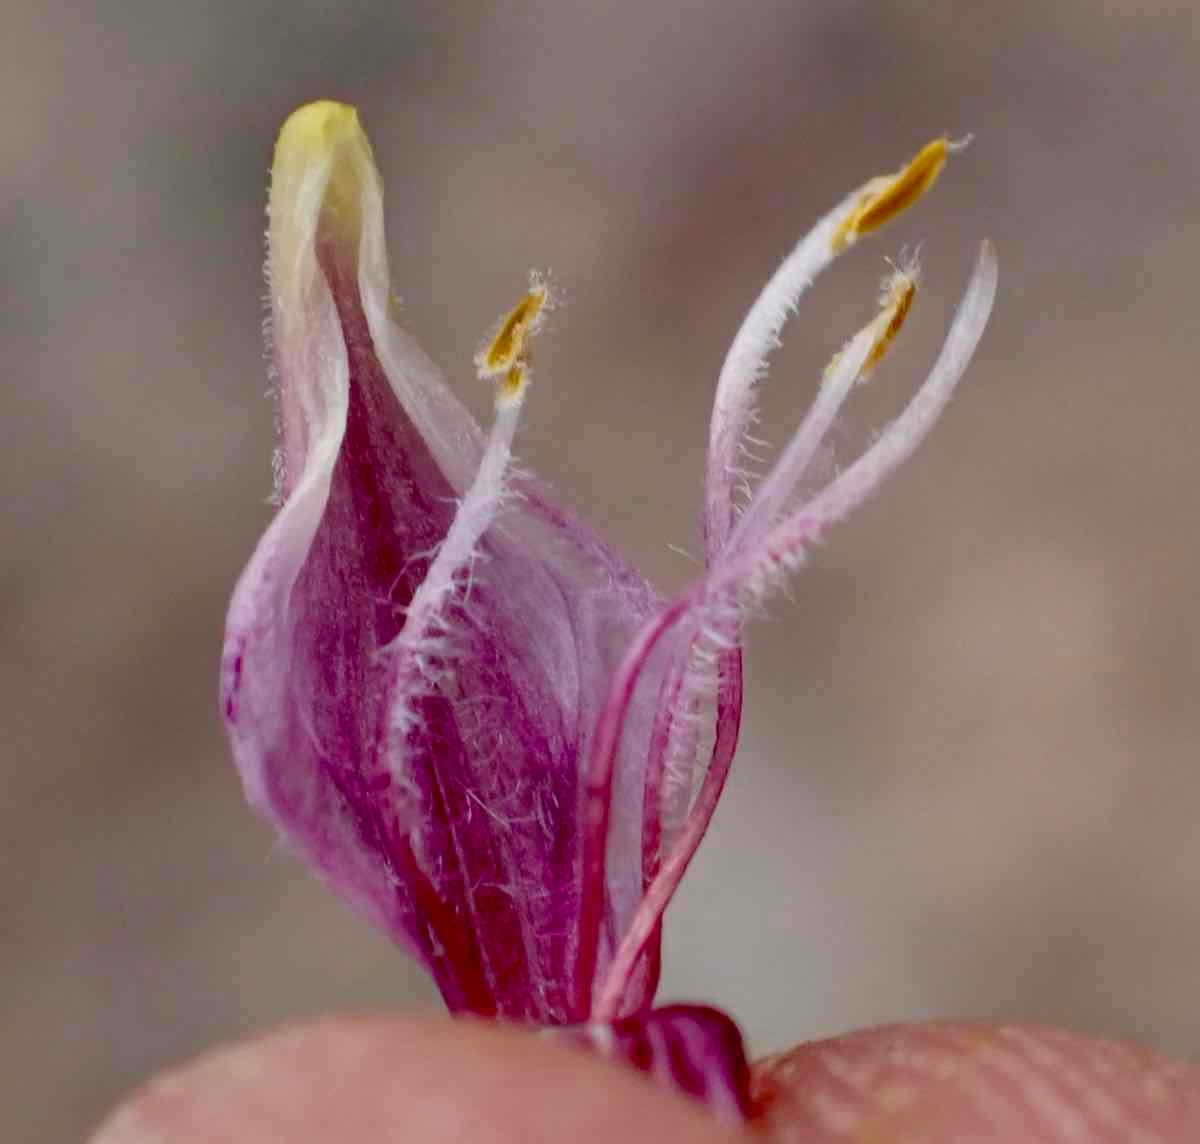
(479,507)
(848,366)
(861,212)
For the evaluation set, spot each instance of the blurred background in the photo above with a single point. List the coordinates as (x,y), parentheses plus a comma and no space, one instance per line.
(969,781)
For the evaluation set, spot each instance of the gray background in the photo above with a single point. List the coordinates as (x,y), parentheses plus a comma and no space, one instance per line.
(969,782)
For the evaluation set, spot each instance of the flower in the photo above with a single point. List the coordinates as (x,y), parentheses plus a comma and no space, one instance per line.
(477,722)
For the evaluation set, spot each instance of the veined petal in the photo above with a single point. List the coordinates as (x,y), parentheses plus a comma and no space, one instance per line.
(417,653)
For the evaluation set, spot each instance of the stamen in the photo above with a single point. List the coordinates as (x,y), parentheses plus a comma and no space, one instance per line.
(883,198)
(507,347)
(418,651)
(857,214)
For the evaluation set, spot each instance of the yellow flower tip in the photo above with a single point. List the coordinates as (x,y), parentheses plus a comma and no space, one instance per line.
(317,128)
(883,198)
(506,352)
(322,161)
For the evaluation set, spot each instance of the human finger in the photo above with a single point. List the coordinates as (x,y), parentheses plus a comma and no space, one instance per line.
(403,1079)
(989,1084)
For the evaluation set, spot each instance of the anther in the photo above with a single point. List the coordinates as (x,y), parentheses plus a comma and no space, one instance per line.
(507,348)
(882,198)
(899,292)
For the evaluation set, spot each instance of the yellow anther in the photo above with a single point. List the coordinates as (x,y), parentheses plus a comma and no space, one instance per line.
(884,197)
(505,355)
(513,384)
(896,300)
(898,294)
(508,346)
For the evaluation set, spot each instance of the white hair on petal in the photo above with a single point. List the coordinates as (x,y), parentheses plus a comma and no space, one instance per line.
(424,643)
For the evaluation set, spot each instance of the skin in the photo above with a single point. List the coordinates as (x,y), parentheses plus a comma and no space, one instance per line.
(396,1078)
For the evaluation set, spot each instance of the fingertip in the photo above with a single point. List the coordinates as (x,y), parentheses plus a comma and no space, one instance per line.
(985,1083)
(383,1078)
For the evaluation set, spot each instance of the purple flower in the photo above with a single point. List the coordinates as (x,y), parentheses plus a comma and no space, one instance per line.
(477,722)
